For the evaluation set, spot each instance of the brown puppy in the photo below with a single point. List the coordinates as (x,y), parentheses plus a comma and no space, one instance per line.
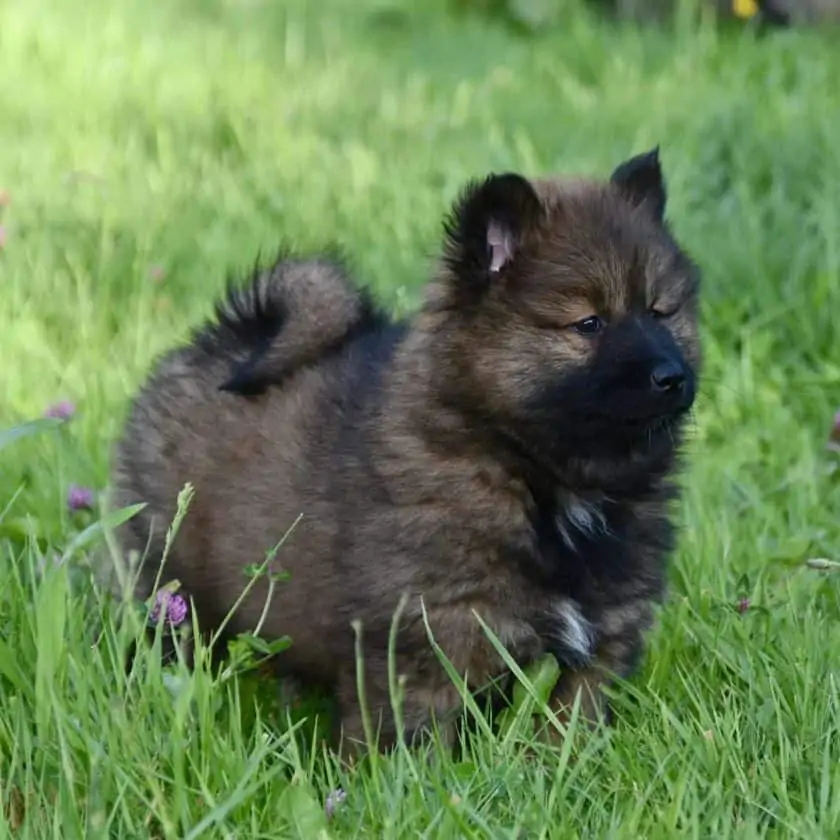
(509,451)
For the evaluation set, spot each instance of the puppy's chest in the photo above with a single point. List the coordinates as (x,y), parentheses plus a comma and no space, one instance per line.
(584,548)
(578,527)
(586,567)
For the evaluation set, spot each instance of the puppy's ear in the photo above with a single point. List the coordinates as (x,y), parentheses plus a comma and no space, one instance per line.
(486,228)
(641,182)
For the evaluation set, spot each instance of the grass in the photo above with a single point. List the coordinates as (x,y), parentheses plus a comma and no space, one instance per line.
(148,151)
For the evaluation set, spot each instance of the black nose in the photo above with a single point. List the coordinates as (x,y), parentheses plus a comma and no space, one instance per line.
(667,376)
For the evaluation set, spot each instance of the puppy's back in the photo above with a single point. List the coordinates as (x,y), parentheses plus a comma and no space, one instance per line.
(249,379)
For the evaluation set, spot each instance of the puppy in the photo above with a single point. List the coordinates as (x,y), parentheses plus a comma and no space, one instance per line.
(508,452)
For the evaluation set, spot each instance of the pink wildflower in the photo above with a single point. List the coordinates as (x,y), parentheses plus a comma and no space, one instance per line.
(79,498)
(62,410)
(175,606)
(743,605)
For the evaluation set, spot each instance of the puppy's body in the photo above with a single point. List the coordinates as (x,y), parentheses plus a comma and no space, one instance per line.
(501,453)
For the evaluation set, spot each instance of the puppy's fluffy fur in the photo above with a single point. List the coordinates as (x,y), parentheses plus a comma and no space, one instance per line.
(507,451)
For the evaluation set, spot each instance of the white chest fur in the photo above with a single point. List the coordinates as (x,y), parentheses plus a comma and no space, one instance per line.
(578,519)
(571,630)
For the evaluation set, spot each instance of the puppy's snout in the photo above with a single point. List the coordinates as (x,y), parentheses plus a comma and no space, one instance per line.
(668,377)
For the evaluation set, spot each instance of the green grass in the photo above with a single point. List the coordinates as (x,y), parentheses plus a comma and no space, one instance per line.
(149,151)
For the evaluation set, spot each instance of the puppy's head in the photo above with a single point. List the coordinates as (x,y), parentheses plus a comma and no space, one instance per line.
(569,313)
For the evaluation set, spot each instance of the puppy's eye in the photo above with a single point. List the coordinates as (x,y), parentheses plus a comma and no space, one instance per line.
(658,312)
(588,326)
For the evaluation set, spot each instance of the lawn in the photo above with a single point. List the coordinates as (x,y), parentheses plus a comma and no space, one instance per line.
(149,151)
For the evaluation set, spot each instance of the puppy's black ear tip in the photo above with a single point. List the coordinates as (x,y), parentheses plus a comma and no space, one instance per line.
(650,160)
(504,197)
(641,181)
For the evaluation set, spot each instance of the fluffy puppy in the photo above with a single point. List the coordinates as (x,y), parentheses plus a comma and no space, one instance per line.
(508,452)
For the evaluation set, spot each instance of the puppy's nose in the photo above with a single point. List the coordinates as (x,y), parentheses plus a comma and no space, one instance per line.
(667,376)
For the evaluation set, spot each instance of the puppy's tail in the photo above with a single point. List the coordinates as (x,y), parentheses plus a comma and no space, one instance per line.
(284,318)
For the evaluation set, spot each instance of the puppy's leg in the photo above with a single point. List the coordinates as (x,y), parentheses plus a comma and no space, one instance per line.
(616,655)
(349,734)
(423,704)
(586,683)
(429,696)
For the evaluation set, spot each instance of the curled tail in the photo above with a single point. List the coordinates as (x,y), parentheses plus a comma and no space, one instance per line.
(284,318)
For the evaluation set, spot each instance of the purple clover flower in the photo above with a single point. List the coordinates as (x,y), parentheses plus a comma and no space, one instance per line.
(334,799)
(174,605)
(743,605)
(79,498)
(62,410)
